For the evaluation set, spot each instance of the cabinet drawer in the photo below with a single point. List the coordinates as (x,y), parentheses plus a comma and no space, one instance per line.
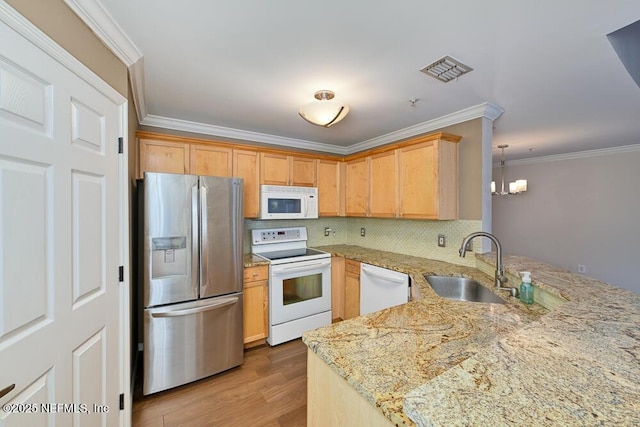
(253,274)
(352,267)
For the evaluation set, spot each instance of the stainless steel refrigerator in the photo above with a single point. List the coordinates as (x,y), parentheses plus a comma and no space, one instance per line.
(191,248)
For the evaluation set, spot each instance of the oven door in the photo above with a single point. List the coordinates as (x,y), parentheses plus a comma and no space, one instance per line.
(299,289)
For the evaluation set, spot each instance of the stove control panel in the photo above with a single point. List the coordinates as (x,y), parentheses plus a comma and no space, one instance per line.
(278,235)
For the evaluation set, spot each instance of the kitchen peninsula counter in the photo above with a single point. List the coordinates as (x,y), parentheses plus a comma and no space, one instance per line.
(435,362)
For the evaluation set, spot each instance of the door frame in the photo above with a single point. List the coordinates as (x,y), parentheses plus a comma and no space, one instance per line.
(29,31)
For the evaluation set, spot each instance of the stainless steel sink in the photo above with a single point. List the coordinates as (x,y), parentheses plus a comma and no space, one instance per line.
(461,289)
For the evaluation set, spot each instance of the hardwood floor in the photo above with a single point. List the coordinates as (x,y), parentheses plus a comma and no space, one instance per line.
(268,389)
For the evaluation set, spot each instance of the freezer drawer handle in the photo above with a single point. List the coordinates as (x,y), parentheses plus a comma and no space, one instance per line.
(175,313)
(379,276)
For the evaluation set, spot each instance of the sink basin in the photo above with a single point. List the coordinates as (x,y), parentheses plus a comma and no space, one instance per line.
(461,289)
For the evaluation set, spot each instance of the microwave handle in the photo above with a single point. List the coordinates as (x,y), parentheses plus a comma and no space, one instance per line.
(305,207)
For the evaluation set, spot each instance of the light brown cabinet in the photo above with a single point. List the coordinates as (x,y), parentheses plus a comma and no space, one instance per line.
(351,289)
(330,192)
(357,187)
(163,156)
(417,178)
(255,305)
(210,160)
(246,165)
(337,287)
(383,188)
(280,169)
(428,180)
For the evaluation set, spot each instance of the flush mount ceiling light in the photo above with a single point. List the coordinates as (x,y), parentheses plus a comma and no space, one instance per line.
(515,187)
(446,69)
(323,112)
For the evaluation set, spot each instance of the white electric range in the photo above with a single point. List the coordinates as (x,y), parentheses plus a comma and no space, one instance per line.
(299,282)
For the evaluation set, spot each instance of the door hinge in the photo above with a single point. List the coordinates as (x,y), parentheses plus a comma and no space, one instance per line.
(120,145)
(121,273)
(121,401)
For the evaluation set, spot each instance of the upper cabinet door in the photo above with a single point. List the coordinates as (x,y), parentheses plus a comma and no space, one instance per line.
(274,169)
(429,180)
(303,172)
(163,156)
(330,193)
(246,165)
(211,161)
(383,184)
(357,186)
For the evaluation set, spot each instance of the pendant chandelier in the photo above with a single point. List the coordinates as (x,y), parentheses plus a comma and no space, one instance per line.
(324,112)
(515,187)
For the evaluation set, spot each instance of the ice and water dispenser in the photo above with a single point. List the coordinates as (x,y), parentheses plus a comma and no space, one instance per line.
(169,257)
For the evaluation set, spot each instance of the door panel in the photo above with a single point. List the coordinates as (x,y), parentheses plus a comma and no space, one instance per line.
(221,245)
(59,237)
(26,260)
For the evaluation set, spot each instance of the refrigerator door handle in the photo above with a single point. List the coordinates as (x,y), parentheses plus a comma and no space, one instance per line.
(195,240)
(188,311)
(204,241)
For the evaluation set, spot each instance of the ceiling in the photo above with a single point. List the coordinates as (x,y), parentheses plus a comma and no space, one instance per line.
(243,68)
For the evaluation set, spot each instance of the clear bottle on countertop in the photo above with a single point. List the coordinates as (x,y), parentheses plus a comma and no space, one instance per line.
(526,288)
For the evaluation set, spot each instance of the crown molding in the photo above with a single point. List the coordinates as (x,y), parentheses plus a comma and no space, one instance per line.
(486,110)
(95,16)
(104,26)
(26,29)
(220,131)
(136,78)
(625,149)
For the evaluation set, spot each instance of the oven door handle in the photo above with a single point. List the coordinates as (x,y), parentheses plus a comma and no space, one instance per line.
(313,266)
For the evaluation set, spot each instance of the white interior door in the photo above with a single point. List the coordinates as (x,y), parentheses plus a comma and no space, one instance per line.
(59,243)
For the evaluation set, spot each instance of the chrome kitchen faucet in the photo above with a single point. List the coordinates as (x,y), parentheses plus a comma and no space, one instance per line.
(500,278)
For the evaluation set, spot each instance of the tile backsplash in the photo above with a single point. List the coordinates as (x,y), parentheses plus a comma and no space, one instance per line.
(410,237)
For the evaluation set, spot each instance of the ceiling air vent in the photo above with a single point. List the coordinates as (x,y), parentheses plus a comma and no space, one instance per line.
(446,69)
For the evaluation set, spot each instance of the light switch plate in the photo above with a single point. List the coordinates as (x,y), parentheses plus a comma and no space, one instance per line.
(441,240)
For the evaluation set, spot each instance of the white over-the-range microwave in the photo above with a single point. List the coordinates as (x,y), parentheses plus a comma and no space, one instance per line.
(283,202)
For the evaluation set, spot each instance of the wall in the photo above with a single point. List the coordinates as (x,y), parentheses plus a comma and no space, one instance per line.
(59,22)
(582,210)
(469,168)
(410,237)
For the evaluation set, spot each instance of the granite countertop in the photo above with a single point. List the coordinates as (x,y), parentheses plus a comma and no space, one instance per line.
(434,362)
(250,260)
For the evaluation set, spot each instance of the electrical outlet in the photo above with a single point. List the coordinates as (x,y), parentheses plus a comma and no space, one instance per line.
(362,232)
(441,240)
(327,231)
(582,269)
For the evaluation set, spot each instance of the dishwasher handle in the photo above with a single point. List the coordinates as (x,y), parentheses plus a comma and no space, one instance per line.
(382,277)
(195,310)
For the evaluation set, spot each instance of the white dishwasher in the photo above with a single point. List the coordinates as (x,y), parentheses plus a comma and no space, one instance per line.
(381,288)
